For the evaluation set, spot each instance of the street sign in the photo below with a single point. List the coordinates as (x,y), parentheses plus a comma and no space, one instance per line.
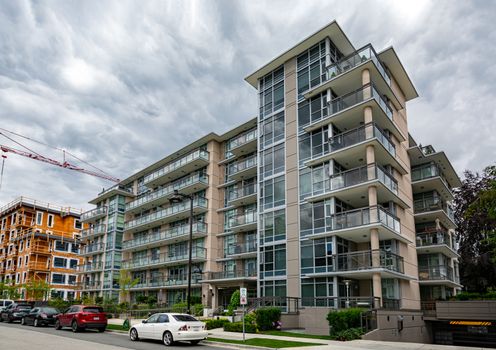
(243,296)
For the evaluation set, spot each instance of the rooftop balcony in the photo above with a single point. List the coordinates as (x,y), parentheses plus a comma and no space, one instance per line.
(230,277)
(90,267)
(94,248)
(347,72)
(244,222)
(346,111)
(435,275)
(187,185)
(173,213)
(435,242)
(243,169)
(173,234)
(360,265)
(430,209)
(243,144)
(112,191)
(170,281)
(93,231)
(199,254)
(429,177)
(355,224)
(350,185)
(94,214)
(242,250)
(350,147)
(180,167)
(242,196)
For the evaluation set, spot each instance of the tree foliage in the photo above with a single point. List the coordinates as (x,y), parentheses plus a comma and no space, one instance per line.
(475,215)
(126,282)
(37,289)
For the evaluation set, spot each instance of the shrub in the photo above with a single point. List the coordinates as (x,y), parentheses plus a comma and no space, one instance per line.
(475,296)
(344,319)
(234,303)
(182,307)
(238,327)
(349,334)
(267,317)
(220,323)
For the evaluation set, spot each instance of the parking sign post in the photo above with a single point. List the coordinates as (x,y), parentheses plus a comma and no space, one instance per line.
(243,300)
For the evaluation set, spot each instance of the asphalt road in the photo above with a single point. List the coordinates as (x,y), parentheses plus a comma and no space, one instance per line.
(18,337)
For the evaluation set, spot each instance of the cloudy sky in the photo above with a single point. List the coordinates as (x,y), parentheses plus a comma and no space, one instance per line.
(121,84)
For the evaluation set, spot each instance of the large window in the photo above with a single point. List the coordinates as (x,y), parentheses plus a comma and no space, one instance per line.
(316,256)
(273,288)
(60,262)
(271,92)
(272,130)
(314,144)
(272,161)
(313,180)
(312,110)
(317,291)
(313,217)
(58,278)
(273,260)
(61,246)
(273,226)
(273,192)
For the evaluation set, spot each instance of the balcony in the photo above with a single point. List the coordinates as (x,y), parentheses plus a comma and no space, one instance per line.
(199,254)
(94,248)
(164,282)
(174,234)
(91,285)
(346,111)
(244,222)
(116,190)
(355,225)
(435,275)
(243,144)
(430,209)
(350,185)
(180,167)
(187,185)
(173,213)
(40,249)
(429,177)
(241,251)
(93,231)
(435,242)
(90,267)
(230,277)
(38,266)
(350,146)
(242,196)
(94,214)
(243,169)
(343,75)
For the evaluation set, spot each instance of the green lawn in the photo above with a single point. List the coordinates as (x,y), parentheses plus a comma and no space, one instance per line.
(269,343)
(116,327)
(296,335)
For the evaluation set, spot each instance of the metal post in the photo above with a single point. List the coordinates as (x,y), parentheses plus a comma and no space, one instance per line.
(243,322)
(190,252)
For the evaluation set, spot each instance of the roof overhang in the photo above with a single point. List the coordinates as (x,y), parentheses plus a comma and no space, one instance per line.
(391,60)
(332,30)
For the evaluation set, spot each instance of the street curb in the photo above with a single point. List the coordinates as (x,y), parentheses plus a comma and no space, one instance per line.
(239,346)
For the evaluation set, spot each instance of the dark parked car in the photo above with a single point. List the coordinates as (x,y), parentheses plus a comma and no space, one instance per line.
(40,316)
(80,317)
(15,312)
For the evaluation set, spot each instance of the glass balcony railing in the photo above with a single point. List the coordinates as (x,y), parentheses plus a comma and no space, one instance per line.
(362,260)
(241,192)
(438,272)
(173,280)
(433,204)
(173,232)
(245,219)
(241,140)
(354,177)
(428,171)
(197,253)
(361,134)
(198,202)
(358,57)
(90,267)
(362,217)
(94,230)
(242,165)
(93,248)
(433,238)
(243,248)
(168,190)
(87,285)
(91,214)
(198,154)
(220,275)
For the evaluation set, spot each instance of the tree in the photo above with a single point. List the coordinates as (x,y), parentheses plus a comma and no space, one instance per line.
(126,282)
(37,289)
(9,290)
(475,216)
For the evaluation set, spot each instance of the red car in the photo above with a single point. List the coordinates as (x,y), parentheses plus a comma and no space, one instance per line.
(81,317)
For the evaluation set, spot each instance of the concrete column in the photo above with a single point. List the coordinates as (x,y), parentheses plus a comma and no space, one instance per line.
(365,77)
(377,286)
(367,115)
(367,92)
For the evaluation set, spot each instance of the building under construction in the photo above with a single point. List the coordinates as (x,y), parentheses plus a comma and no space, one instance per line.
(39,242)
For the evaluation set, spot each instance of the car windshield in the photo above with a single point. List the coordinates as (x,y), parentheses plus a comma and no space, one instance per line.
(7,303)
(24,307)
(185,318)
(49,310)
(93,309)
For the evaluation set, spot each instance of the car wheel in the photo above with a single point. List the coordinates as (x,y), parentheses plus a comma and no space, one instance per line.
(35,323)
(11,319)
(101,330)
(167,338)
(57,325)
(23,321)
(133,334)
(194,342)
(74,326)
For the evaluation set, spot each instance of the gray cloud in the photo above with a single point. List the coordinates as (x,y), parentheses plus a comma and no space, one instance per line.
(123,83)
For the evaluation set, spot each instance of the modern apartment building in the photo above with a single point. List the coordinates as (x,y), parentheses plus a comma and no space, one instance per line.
(321,201)
(40,242)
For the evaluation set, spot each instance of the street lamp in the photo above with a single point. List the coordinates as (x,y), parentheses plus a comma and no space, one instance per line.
(178,198)
(347,284)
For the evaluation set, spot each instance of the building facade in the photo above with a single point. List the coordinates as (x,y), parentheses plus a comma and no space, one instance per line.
(323,196)
(40,242)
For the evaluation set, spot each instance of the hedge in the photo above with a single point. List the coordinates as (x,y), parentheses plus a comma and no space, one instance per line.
(238,327)
(212,324)
(343,320)
(267,317)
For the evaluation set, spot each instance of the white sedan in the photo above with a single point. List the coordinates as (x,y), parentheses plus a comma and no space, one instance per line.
(170,328)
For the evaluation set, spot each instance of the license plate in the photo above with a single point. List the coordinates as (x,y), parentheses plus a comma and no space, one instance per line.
(196,329)
(96,318)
